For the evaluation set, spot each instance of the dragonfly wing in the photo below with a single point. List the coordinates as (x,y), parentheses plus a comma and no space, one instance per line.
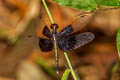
(81,20)
(47,32)
(45,45)
(67,30)
(75,41)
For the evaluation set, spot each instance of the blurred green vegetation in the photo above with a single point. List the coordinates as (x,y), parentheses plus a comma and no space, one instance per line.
(88,4)
(65,74)
(118,42)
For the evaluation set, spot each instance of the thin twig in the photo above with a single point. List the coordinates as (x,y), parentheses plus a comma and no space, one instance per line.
(70,66)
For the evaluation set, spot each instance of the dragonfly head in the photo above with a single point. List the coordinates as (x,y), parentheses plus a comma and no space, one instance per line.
(54,27)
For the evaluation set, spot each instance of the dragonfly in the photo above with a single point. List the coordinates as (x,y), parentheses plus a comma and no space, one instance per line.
(62,40)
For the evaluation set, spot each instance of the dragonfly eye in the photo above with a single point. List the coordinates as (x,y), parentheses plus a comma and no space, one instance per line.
(54,25)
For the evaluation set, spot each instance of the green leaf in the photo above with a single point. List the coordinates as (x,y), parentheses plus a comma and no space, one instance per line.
(79,4)
(118,42)
(88,4)
(65,74)
(108,2)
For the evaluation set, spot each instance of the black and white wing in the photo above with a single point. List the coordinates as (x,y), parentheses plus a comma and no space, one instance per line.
(46,32)
(66,31)
(45,45)
(75,41)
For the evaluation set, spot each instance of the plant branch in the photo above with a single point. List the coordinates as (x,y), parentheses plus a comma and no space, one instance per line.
(70,66)
(48,12)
